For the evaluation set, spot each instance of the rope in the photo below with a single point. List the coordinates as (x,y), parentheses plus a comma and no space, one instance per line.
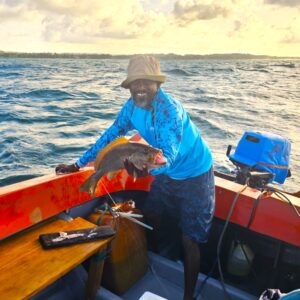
(222,236)
(254,209)
(282,197)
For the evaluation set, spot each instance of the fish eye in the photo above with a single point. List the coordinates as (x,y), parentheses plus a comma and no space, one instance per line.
(146,150)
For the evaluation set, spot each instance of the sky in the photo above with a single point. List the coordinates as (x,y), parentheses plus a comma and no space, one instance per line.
(261,27)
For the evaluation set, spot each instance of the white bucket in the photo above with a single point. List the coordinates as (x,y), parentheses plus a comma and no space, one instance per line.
(150,296)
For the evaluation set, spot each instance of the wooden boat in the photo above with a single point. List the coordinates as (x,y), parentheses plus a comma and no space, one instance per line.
(263,224)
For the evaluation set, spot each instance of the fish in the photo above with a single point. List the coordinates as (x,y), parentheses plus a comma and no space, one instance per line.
(111,159)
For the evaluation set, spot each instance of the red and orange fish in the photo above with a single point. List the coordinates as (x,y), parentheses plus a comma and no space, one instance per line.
(111,159)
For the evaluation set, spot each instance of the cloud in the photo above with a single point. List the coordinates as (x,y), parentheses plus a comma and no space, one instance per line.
(17,12)
(190,11)
(58,7)
(140,26)
(11,3)
(10,11)
(283,2)
(75,22)
(291,38)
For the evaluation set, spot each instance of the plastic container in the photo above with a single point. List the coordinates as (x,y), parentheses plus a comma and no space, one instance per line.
(240,259)
(150,296)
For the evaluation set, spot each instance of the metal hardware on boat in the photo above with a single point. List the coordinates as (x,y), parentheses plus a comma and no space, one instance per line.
(138,222)
(115,211)
(64,216)
(130,214)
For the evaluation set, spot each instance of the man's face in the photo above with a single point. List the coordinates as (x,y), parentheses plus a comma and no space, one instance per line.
(143,92)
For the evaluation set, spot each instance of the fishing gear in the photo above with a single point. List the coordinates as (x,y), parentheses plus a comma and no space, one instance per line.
(67,238)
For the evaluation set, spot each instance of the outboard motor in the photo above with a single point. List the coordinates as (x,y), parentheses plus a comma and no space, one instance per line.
(261,158)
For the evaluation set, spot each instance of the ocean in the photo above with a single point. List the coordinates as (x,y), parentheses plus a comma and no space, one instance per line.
(53,110)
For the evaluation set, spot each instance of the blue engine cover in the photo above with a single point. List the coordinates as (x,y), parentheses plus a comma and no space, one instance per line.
(264,151)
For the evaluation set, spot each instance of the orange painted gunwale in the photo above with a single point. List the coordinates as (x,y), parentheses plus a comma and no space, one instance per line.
(274,217)
(29,202)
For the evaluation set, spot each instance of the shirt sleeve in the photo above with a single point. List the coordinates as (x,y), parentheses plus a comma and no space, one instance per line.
(169,131)
(120,127)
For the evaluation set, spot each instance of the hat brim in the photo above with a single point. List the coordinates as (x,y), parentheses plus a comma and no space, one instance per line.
(158,78)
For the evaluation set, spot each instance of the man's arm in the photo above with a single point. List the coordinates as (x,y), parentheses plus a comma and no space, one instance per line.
(169,131)
(120,127)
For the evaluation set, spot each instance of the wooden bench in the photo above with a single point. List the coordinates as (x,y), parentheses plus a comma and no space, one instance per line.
(26,268)
(25,208)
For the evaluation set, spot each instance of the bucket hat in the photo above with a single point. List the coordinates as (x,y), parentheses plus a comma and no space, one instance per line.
(143,67)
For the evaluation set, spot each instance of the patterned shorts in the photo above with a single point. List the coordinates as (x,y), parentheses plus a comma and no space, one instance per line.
(192,200)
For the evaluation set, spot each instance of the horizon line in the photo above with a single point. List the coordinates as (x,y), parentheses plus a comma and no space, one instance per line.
(154,54)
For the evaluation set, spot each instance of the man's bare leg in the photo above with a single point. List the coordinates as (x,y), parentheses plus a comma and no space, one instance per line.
(191,252)
(153,220)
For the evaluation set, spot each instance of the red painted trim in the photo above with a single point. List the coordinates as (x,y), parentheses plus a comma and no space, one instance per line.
(274,217)
(26,203)
(29,202)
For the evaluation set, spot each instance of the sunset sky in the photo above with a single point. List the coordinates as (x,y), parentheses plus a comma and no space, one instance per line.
(270,27)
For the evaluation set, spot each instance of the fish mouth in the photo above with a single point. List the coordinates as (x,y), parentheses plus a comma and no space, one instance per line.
(160,159)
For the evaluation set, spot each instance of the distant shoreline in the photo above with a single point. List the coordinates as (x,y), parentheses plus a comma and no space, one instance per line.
(229,56)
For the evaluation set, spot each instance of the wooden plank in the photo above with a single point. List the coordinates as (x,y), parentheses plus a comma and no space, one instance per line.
(26,268)
(95,275)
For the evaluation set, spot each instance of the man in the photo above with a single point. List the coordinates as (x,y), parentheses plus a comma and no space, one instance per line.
(186,182)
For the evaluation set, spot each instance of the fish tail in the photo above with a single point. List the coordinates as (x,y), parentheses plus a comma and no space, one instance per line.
(90,184)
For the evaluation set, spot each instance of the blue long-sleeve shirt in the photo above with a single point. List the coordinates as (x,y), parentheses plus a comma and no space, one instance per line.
(167,127)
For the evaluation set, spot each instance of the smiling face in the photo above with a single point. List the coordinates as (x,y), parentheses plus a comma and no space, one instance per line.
(143,92)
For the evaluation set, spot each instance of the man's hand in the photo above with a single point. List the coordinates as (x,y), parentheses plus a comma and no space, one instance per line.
(134,171)
(64,169)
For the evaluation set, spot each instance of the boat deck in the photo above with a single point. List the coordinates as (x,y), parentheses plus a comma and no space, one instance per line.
(163,279)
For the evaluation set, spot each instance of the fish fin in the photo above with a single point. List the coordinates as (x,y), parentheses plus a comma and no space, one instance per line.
(119,141)
(123,180)
(135,175)
(91,183)
(110,175)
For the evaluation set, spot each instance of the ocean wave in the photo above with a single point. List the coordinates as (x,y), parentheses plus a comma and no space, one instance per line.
(90,80)
(260,66)
(179,72)
(253,70)
(68,149)
(10,74)
(213,128)
(46,94)
(86,95)
(287,65)
(56,112)
(7,157)
(218,70)
(14,65)
(199,91)
(42,118)
(17,178)
(4,117)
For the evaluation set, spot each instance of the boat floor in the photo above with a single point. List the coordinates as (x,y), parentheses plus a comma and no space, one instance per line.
(164,278)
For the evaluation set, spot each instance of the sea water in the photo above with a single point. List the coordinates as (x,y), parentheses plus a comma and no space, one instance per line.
(53,110)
